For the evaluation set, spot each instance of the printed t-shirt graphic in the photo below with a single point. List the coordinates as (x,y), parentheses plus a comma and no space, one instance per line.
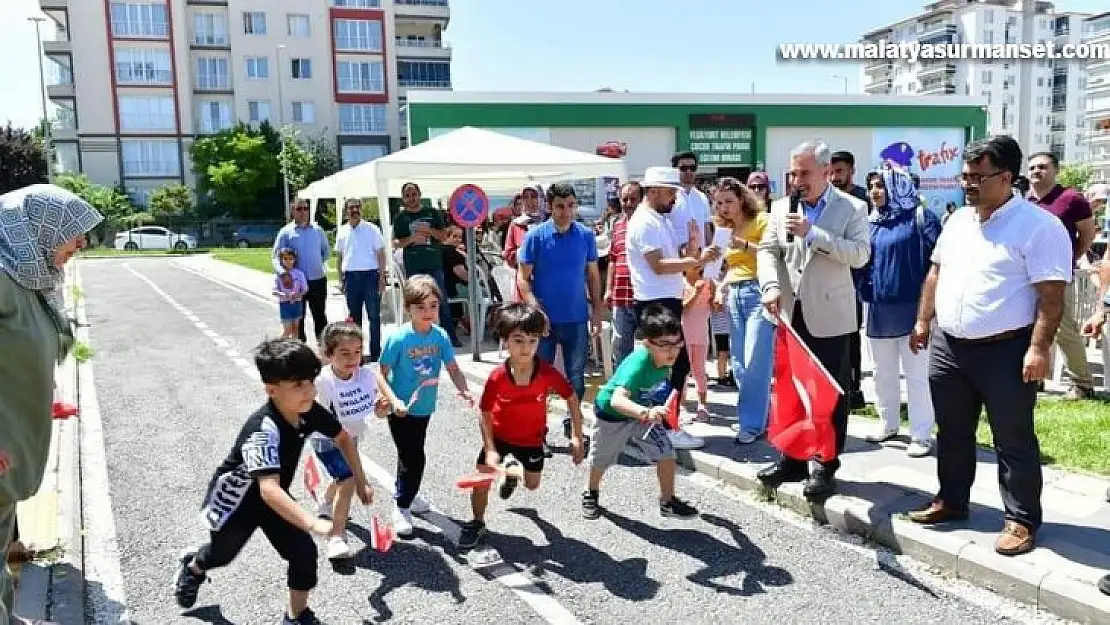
(519,412)
(351,401)
(412,358)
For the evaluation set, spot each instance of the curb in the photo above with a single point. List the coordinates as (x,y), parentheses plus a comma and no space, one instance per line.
(878,522)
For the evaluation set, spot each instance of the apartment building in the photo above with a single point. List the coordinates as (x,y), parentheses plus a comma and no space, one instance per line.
(1096,29)
(1057,99)
(133,83)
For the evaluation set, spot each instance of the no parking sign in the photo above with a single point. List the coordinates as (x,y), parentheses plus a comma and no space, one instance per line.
(469,205)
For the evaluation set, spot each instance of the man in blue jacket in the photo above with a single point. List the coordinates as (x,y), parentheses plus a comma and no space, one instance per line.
(310,242)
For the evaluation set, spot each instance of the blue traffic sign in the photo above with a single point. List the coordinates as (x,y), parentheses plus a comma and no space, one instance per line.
(469,205)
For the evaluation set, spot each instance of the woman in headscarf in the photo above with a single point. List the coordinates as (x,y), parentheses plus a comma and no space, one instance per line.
(903,234)
(534,215)
(41,227)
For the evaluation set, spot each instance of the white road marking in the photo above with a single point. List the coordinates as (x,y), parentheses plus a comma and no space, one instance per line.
(106,598)
(222,343)
(509,576)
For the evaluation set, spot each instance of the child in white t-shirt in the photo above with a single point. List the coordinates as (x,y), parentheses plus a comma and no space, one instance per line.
(354,394)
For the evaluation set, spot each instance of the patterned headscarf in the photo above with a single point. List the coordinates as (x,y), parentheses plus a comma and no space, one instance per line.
(34,222)
(901,194)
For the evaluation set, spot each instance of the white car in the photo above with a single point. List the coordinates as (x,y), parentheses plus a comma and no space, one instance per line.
(153,238)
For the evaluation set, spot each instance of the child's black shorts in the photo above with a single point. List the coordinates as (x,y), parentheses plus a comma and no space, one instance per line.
(530,457)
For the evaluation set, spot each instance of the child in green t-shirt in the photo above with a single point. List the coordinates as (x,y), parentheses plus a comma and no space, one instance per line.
(628,411)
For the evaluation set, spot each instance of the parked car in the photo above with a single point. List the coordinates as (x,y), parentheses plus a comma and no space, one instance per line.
(153,238)
(255,235)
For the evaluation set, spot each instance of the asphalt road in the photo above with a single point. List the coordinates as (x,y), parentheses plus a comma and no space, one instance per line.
(172,399)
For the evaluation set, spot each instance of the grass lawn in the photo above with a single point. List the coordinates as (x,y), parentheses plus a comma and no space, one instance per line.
(1073,434)
(257,258)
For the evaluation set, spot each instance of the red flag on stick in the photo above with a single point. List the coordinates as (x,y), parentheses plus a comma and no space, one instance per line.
(803,399)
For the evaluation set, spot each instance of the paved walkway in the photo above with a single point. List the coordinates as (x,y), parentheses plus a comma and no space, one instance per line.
(878,483)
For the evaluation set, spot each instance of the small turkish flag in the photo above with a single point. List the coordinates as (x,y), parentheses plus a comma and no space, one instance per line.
(312,477)
(381,535)
(64,410)
(803,400)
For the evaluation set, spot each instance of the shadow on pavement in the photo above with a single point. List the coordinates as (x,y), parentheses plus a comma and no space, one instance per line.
(409,561)
(721,558)
(575,560)
(207,614)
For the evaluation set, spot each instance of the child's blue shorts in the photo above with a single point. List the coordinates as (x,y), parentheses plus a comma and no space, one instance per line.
(332,459)
(291,311)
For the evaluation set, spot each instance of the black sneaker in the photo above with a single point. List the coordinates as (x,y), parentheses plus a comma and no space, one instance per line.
(1104,585)
(677,508)
(471,534)
(590,508)
(306,618)
(186,584)
(547,453)
(508,484)
(567,430)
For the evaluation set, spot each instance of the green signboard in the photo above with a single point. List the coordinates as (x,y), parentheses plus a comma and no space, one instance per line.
(722,146)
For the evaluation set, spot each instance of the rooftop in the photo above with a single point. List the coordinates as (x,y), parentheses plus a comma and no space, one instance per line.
(593,97)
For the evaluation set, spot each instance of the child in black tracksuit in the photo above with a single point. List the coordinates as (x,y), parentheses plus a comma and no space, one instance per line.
(250,489)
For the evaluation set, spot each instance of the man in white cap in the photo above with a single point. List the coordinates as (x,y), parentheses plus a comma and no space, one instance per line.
(656,264)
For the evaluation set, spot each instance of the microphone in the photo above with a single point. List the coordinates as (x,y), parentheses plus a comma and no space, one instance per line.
(795,200)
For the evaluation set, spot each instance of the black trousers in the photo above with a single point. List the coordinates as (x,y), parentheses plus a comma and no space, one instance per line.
(293,544)
(681,367)
(317,302)
(963,377)
(832,352)
(855,354)
(409,434)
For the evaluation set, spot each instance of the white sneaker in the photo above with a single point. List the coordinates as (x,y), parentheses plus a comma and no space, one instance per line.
(338,548)
(420,506)
(683,440)
(324,509)
(919,449)
(402,521)
(881,436)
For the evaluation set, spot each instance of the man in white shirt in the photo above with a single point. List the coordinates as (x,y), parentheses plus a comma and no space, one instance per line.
(361,250)
(691,204)
(996,291)
(656,267)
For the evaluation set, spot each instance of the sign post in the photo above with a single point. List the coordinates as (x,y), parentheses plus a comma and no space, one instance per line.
(469,206)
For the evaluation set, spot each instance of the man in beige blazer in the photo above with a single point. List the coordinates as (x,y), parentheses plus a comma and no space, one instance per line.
(804,265)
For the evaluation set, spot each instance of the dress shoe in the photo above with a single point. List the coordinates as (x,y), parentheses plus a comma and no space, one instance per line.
(1104,585)
(936,513)
(857,401)
(779,473)
(1015,539)
(819,486)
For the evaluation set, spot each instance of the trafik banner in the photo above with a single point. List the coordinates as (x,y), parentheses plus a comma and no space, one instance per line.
(936,155)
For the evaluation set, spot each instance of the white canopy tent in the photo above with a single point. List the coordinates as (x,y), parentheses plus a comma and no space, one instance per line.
(499,164)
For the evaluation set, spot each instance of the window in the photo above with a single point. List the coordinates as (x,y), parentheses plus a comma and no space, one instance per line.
(140,19)
(1040,81)
(212,73)
(209,29)
(140,196)
(357,4)
(990,16)
(987,78)
(258,67)
(258,111)
(360,119)
(254,23)
(298,25)
(301,69)
(146,113)
(66,157)
(423,74)
(360,35)
(151,157)
(361,77)
(143,66)
(214,116)
(352,155)
(304,112)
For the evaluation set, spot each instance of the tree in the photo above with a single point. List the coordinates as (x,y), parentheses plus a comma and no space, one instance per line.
(22,161)
(171,201)
(1075,175)
(296,161)
(325,157)
(238,168)
(112,202)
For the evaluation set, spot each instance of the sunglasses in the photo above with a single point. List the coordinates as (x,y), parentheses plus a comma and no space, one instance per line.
(757,187)
(300,209)
(688,168)
(665,344)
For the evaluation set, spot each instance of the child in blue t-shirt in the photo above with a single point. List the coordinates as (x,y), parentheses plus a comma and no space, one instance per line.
(410,361)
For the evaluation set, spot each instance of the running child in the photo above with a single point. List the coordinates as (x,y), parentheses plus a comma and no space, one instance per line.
(353,393)
(410,361)
(628,410)
(290,287)
(250,489)
(514,411)
(697,302)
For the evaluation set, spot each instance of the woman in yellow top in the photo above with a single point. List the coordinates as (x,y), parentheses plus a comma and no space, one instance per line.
(750,331)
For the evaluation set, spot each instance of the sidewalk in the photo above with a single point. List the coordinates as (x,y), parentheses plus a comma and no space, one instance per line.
(876,485)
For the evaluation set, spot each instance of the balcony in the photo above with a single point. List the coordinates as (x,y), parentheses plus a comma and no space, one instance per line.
(936,69)
(1099,137)
(426,9)
(64,124)
(53,4)
(878,69)
(879,86)
(938,33)
(56,41)
(937,87)
(423,84)
(421,48)
(60,82)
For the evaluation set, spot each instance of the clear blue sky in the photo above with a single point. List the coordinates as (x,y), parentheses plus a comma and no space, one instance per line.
(702,46)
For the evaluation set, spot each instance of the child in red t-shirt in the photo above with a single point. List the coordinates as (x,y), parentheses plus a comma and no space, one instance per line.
(514,411)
